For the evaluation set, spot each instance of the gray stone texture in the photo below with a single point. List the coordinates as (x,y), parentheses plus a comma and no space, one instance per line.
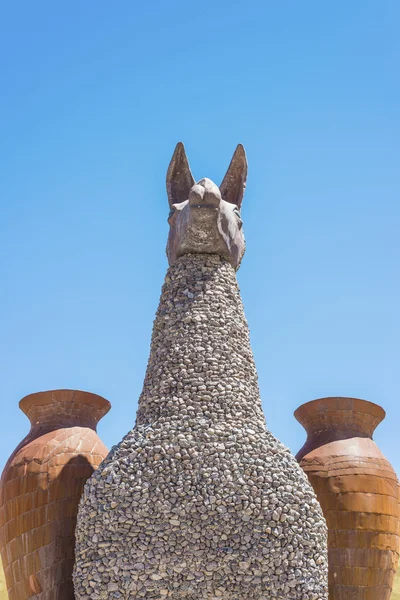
(199,501)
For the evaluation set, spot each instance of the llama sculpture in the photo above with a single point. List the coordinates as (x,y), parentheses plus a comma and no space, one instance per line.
(199,501)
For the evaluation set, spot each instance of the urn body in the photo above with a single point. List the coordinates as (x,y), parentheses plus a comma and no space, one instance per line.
(40,490)
(358,492)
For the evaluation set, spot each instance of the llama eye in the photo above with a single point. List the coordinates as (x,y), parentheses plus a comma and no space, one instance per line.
(171,213)
(237,213)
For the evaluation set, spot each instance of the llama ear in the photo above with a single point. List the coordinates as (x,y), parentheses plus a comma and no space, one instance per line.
(179,177)
(234,183)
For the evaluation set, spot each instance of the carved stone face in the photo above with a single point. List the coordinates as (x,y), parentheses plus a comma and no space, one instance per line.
(205,219)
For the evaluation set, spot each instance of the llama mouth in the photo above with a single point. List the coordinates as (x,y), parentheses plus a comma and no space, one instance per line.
(204,206)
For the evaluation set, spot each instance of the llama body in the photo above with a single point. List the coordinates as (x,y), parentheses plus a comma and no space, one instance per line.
(199,501)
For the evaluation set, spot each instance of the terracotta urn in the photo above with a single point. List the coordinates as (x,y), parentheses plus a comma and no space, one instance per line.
(40,490)
(358,492)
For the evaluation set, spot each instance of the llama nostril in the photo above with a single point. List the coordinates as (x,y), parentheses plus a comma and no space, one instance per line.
(205,193)
(210,187)
(196,194)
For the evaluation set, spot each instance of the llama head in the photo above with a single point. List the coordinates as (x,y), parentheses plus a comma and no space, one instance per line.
(203,218)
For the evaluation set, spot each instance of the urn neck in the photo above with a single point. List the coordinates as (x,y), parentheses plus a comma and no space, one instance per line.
(337,418)
(55,409)
(201,365)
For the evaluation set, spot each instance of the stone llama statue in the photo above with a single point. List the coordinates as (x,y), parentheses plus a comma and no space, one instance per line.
(199,501)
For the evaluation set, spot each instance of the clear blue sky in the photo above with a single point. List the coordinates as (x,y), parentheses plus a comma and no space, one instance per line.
(94,97)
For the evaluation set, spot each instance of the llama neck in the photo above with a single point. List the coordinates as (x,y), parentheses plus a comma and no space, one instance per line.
(201,366)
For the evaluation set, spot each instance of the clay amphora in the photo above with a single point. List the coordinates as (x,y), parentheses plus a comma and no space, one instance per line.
(40,489)
(358,492)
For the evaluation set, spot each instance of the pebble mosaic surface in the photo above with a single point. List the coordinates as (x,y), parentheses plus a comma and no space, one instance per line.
(199,501)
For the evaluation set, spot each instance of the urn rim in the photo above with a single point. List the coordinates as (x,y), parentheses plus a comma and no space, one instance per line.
(338,403)
(64,396)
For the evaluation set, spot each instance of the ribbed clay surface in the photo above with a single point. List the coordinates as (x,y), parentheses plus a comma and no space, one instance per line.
(40,489)
(358,492)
